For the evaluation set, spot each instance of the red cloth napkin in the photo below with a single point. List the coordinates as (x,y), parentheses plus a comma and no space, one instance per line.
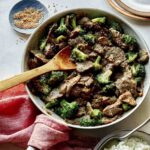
(22,124)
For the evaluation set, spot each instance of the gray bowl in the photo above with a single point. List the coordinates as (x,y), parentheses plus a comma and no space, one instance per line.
(140,134)
(33,44)
(21,5)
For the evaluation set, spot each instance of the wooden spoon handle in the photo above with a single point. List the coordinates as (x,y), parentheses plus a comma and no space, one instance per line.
(25,76)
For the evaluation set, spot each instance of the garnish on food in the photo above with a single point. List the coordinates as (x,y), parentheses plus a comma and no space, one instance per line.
(28,18)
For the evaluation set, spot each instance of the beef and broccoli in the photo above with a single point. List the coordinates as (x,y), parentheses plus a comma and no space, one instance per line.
(109,75)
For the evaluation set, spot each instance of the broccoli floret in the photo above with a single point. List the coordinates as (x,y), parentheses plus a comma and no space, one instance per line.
(131,56)
(109,89)
(126,106)
(56,76)
(115,25)
(73,21)
(138,80)
(96,64)
(99,20)
(62,29)
(43,87)
(43,79)
(52,103)
(128,39)
(42,44)
(93,113)
(96,113)
(138,70)
(143,56)
(89,38)
(87,121)
(60,38)
(78,55)
(79,30)
(104,78)
(66,109)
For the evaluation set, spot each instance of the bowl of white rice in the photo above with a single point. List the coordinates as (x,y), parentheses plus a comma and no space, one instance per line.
(138,141)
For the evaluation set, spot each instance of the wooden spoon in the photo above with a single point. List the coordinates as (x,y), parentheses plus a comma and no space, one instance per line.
(61,61)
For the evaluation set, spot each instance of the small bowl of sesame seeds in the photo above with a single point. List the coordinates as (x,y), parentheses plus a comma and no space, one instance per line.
(27,15)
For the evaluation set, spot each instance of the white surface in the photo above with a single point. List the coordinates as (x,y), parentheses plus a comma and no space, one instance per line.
(141,5)
(12,46)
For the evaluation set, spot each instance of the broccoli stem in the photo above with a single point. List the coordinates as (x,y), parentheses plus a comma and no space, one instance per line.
(126,106)
(104,78)
(60,38)
(42,44)
(73,21)
(62,29)
(79,55)
(52,103)
(99,20)
(96,64)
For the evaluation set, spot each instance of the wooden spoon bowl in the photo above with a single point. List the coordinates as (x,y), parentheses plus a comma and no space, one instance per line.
(61,61)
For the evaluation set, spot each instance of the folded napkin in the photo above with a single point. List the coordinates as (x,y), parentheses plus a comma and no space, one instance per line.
(22,124)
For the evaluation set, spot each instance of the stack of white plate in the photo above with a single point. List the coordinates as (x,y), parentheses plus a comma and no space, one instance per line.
(137,9)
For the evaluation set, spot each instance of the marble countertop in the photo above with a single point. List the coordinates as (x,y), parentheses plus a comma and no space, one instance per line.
(12,46)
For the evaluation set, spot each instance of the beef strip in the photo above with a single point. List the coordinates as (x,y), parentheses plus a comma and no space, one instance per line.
(107,100)
(126,83)
(103,32)
(83,46)
(96,101)
(127,98)
(99,49)
(55,93)
(115,55)
(80,101)
(109,66)
(76,41)
(117,38)
(66,87)
(113,109)
(84,66)
(106,120)
(39,56)
(143,56)
(50,36)
(60,46)
(93,55)
(86,23)
(104,41)
(100,101)
(83,92)
(50,50)
(81,112)
(89,108)
(85,80)
(33,63)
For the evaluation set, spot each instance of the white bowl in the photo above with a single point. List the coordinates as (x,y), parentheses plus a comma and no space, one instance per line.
(140,134)
(33,44)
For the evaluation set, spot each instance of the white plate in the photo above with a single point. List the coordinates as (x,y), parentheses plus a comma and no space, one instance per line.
(139,5)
